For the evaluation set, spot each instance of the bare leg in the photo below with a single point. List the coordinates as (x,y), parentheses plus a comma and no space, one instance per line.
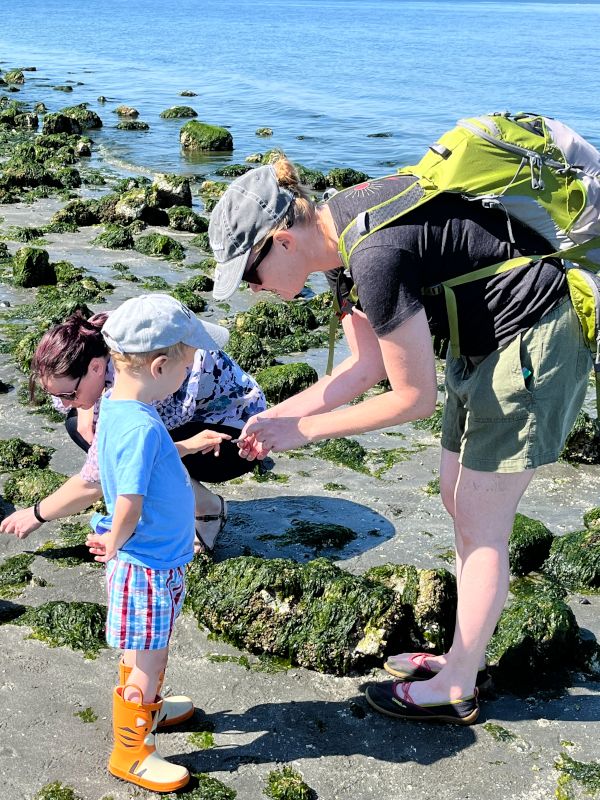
(146,669)
(485,504)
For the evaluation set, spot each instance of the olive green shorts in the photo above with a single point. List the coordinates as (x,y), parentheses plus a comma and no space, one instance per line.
(513,410)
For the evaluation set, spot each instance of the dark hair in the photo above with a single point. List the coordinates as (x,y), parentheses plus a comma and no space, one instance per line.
(68,348)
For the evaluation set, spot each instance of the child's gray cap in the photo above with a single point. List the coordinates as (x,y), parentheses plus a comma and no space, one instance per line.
(248,211)
(153,321)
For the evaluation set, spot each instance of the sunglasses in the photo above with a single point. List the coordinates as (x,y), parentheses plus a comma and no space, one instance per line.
(69,395)
(251,274)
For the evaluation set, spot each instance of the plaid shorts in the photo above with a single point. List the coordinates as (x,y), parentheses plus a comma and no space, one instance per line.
(143,605)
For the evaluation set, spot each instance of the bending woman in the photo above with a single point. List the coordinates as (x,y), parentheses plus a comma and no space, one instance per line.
(72,364)
(510,400)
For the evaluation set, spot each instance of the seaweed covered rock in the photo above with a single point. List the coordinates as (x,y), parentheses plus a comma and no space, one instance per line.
(250,351)
(282,381)
(311,177)
(178,112)
(287,784)
(574,560)
(79,626)
(126,111)
(60,123)
(189,298)
(17,454)
(133,204)
(157,244)
(528,648)
(182,218)
(26,486)
(233,170)
(14,76)
(27,121)
(78,212)
(86,118)
(31,267)
(264,131)
(172,190)
(583,442)
(198,136)
(115,237)
(15,574)
(317,536)
(211,192)
(132,125)
(315,614)
(342,177)
(430,594)
(276,320)
(529,545)
(345,452)
(591,518)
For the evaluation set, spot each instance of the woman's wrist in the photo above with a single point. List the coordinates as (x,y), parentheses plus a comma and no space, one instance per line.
(37,513)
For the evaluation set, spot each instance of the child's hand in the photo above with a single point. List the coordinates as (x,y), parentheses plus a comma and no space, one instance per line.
(205,441)
(101,547)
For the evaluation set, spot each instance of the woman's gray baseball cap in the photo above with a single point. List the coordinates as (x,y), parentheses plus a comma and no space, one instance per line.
(153,321)
(248,211)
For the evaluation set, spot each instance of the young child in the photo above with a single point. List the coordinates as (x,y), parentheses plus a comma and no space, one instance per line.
(147,536)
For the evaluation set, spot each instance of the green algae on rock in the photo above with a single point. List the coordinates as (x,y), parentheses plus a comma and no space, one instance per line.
(264,132)
(172,190)
(583,442)
(500,734)
(115,237)
(182,218)
(591,518)
(429,594)
(345,452)
(15,574)
(574,560)
(70,549)
(233,170)
(188,296)
(132,125)
(529,545)
(282,381)
(17,454)
(205,788)
(343,177)
(87,119)
(312,178)
(199,136)
(56,791)
(527,650)
(158,244)
(31,267)
(211,192)
(86,715)
(178,112)
(201,740)
(315,614)
(433,487)
(317,536)
(26,486)
(250,351)
(585,773)
(60,123)
(77,625)
(287,784)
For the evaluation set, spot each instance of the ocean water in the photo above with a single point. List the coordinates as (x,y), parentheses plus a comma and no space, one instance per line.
(323,74)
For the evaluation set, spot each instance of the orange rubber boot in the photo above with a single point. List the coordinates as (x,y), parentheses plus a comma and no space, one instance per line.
(174,709)
(134,757)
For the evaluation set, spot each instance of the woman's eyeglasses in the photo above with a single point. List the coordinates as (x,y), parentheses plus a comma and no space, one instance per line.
(251,274)
(69,395)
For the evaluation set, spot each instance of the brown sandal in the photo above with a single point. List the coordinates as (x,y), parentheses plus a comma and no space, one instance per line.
(200,545)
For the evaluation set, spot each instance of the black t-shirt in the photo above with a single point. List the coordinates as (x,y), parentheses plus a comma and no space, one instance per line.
(447,237)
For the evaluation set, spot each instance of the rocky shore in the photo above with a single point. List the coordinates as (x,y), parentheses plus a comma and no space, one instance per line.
(339,555)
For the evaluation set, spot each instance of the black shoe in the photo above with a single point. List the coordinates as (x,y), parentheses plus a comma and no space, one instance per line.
(393,699)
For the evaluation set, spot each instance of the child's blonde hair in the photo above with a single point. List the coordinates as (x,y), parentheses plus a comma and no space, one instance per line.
(137,361)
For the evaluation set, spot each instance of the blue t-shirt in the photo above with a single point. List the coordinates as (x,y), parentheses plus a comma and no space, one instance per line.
(137,456)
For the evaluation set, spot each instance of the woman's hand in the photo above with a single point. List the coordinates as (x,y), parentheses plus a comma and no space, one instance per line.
(20,523)
(262,434)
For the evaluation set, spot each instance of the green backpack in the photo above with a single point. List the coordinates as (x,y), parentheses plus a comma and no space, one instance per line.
(540,172)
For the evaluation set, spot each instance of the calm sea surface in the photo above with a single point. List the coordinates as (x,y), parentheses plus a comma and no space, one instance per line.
(323,74)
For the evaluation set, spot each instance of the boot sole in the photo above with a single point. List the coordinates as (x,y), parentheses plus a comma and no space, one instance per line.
(130,777)
(170,721)
(468,720)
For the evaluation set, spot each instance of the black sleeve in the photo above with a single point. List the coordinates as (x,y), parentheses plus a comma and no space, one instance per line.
(388,284)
